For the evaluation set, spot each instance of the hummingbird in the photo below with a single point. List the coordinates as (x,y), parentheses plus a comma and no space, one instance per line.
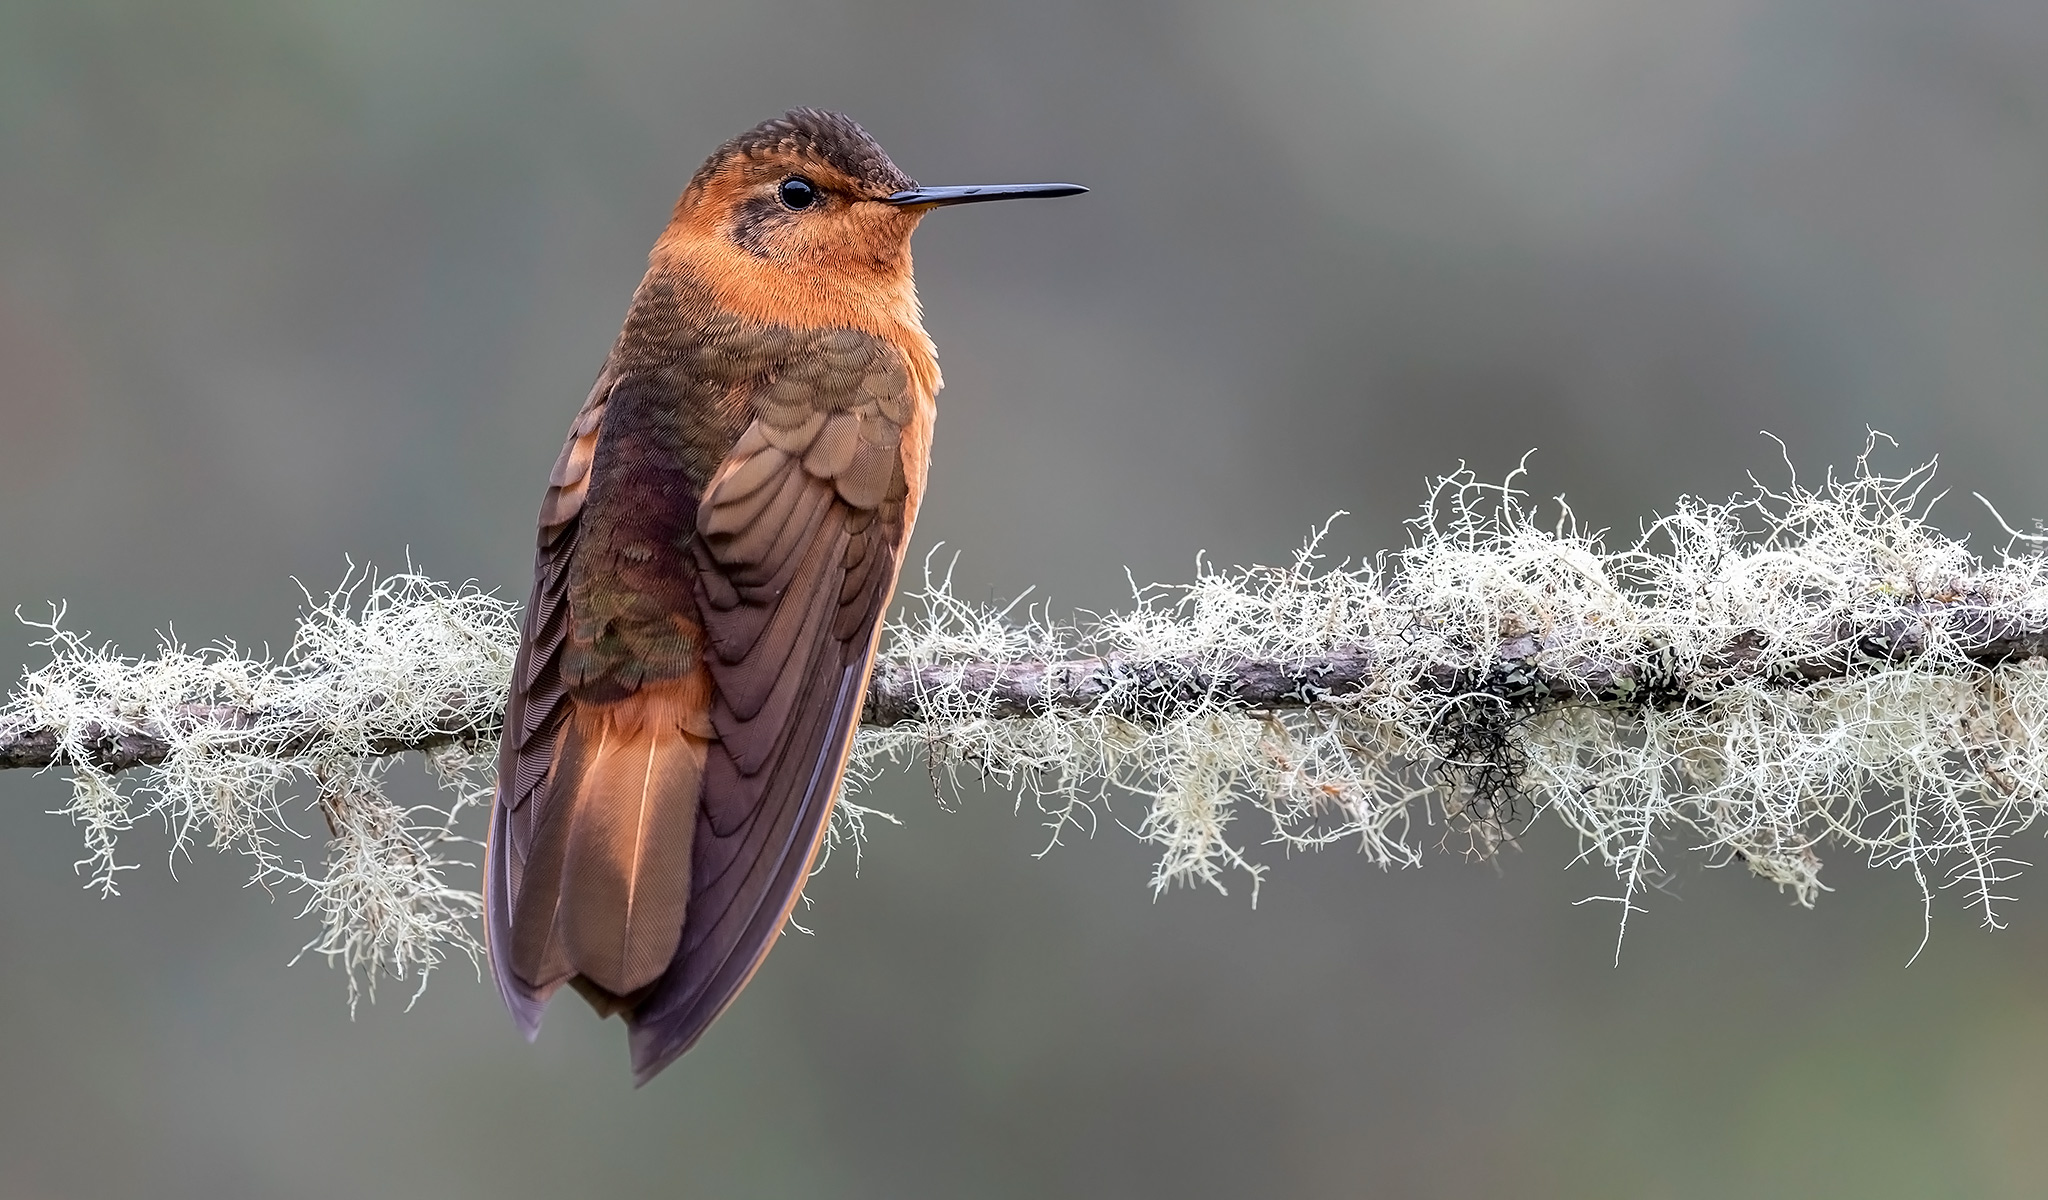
(718,541)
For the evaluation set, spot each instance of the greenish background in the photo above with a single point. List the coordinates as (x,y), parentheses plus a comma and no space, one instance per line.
(287,281)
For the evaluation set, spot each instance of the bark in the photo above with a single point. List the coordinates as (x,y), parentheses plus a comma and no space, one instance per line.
(1530,671)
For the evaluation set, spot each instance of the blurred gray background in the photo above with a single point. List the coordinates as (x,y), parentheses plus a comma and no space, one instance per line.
(284,282)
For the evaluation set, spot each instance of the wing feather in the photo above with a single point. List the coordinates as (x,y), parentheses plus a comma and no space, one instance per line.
(537,706)
(791,590)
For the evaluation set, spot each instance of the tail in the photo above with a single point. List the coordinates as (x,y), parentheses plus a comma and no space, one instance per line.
(606,879)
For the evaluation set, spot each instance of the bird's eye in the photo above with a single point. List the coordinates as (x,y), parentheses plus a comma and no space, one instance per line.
(797,192)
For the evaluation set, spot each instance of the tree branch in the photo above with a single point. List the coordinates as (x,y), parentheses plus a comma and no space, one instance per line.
(1769,676)
(1532,670)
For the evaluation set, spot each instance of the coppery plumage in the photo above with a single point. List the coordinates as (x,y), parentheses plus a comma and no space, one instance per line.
(718,540)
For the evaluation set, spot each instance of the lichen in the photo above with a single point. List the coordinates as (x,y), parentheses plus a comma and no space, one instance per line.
(1927,763)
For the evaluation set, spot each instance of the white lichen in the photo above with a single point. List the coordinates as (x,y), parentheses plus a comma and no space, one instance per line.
(1927,762)
(378,663)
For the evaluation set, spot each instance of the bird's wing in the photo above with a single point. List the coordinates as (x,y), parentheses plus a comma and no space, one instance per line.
(539,703)
(800,533)
(603,763)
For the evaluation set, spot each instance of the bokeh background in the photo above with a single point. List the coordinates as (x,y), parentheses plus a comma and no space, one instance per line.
(286,281)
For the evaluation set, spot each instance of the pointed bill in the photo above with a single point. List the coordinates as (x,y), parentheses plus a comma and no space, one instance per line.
(939,197)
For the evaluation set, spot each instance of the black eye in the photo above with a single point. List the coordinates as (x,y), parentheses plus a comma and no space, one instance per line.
(797,192)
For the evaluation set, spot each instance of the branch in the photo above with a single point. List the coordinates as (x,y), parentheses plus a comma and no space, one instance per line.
(148,742)
(1536,671)
(1767,676)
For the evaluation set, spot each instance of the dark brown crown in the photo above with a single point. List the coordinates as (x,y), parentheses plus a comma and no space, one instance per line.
(833,138)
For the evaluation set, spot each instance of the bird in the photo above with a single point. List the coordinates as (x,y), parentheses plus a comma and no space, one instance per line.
(717,543)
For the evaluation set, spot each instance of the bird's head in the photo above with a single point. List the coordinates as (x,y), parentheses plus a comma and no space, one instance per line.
(809,192)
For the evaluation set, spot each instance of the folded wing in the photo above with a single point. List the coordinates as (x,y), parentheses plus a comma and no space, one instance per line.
(538,706)
(800,533)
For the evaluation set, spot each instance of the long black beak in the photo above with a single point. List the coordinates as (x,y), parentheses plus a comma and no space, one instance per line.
(935,197)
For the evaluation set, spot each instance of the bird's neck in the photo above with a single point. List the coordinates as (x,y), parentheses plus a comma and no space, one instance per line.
(876,298)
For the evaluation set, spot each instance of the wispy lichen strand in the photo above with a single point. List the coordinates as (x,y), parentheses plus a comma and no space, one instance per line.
(1759,680)
(377,666)
(1756,679)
